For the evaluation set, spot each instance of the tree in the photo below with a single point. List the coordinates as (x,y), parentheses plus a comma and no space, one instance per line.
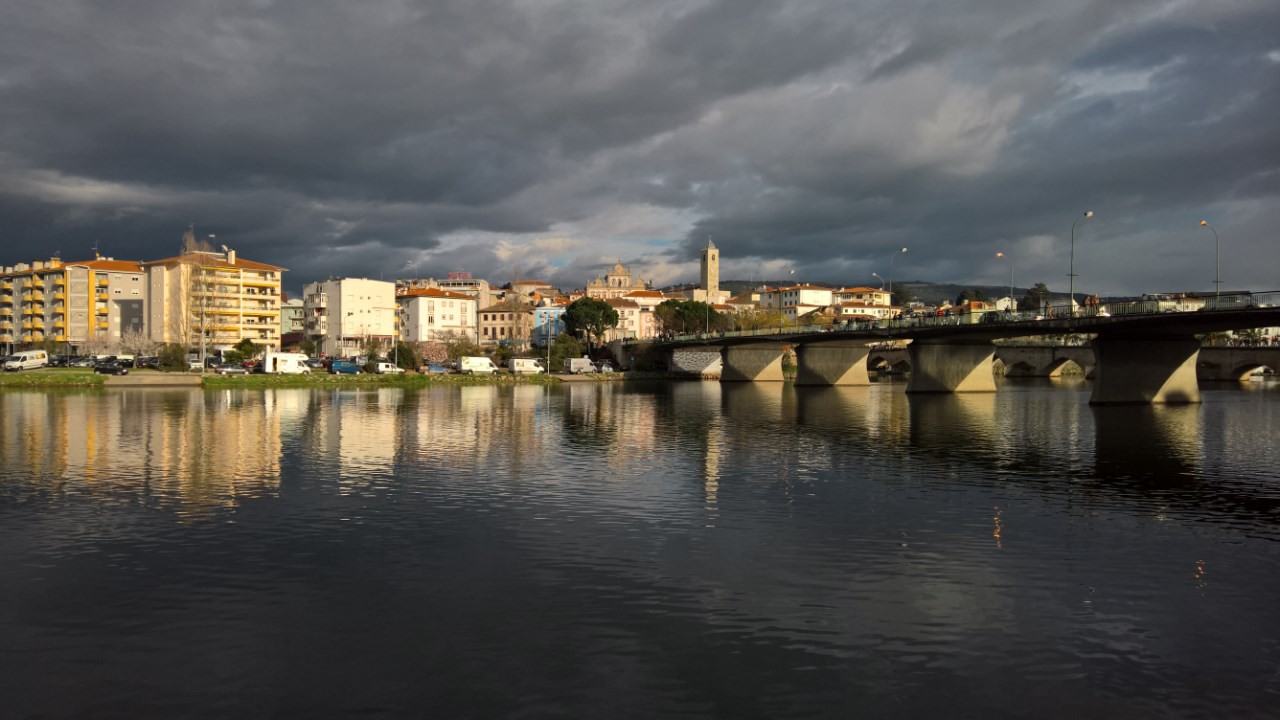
(1035,299)
(135,342)
(590,318)
(406,356)
(172,356)
(247,348)
(683,317)
(308,346)
(458,344)
(900,298)
(967,296)
(564,346)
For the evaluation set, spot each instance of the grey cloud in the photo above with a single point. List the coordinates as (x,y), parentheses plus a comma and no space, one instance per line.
(337,138)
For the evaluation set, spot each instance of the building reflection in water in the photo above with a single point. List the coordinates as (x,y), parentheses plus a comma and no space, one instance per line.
(191,452)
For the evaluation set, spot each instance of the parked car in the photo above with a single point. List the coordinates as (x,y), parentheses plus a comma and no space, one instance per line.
(386,368)
(80,362)
(604,366)
(147,361)
(110,367)
(434,369)
(314,363)
(343,367)
(228,369)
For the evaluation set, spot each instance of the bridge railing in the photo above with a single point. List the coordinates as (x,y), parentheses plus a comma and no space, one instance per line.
(1236,301)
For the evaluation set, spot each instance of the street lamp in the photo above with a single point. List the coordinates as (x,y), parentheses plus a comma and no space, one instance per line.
(1217,281)
(877,276)
(891,259)
(1006,257)
(1071,275)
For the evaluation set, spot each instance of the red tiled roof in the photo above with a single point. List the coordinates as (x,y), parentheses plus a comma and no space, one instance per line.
(434,293)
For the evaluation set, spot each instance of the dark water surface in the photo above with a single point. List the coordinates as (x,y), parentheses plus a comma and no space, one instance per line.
(607,550)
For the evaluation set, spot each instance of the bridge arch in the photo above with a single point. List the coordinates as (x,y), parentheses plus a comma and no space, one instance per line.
(1019,369)
(1242,372)
(1063,366)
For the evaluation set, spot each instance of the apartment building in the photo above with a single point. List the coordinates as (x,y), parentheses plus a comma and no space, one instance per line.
(431,314)
(213,300)
(83,306)
(507,323)
(343,315)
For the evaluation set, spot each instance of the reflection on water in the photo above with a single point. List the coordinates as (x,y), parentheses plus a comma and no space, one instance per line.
(614,549)
(188,449)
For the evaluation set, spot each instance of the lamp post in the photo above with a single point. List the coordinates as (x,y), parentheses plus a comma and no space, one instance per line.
(1071,274)
(1006,257)
(877,276)
(891,259)
(1217,280)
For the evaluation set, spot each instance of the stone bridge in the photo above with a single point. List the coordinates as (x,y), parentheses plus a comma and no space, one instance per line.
(1145,357)
(1215,363)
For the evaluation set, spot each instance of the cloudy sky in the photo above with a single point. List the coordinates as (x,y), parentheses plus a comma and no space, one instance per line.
(552,138)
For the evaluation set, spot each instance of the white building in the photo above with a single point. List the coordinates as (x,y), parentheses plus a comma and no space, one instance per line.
(862,303)
(796,300)
(344,314)
(429,314)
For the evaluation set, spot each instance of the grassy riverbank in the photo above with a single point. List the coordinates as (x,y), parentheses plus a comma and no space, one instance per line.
(52,377)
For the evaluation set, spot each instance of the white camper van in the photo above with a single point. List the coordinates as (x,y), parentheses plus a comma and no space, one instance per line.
(525,366)
(473,365)
(27,360)
(578,366)
(285,363)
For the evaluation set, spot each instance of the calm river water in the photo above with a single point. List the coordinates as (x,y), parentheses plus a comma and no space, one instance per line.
(610,550)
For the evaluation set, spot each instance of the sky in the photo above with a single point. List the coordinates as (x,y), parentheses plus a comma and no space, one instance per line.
(549,139)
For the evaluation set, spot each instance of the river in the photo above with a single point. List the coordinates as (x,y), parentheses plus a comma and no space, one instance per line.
(638,550)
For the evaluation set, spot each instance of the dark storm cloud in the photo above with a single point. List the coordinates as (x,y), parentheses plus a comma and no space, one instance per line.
(363,138)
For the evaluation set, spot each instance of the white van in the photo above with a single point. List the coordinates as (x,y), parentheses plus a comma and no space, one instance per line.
(578,366)
(27,360)
(285,363)
(473,365)
(525,366)
(386,368)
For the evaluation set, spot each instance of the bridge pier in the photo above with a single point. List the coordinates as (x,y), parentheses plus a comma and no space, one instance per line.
(752,363)
(951,367)
(1145,370)
(828,364)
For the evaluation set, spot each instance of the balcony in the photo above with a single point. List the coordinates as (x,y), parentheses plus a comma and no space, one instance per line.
(5,325)
(6,311)
(59,295)
(102,325)
(27,326)
(60,324)
(101,310)
(102,281)
(102,297)
(60,337)
(6,285)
